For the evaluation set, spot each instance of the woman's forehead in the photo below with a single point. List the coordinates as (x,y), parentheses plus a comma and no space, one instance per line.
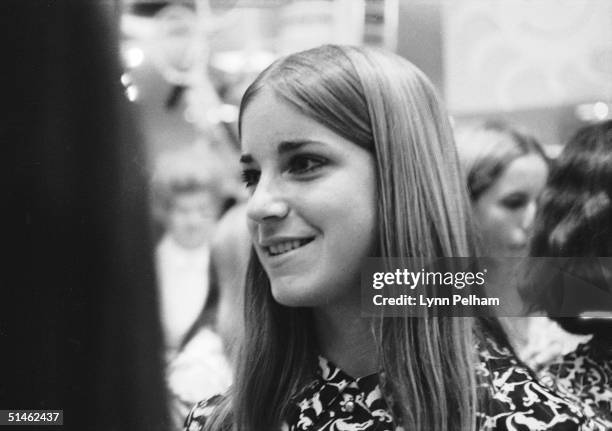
(271,124)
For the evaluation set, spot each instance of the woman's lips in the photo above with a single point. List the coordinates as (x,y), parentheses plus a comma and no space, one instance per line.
(282,247)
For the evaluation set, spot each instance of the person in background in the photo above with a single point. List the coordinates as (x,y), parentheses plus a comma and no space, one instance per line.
(575,220)
(188,201)
(79,327)
(505,172)
(347,153)
(202,367)
(190,193)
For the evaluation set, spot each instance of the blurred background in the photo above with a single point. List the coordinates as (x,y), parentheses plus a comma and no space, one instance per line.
(543,65)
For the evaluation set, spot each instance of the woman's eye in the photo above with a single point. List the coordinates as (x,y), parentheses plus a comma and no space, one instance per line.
(304,164)
(514,202)
(250,177)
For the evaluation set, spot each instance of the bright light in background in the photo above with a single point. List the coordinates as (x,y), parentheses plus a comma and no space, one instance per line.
(224,113)
(601,110)
(126,80)
(593,112)
(133,56)
(595,315)
(229,61)
(242,61)
(132,93)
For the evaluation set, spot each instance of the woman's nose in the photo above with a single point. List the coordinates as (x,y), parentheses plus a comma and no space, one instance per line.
(267,202)
(529,216)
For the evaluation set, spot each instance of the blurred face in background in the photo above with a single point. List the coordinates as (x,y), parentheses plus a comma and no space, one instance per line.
(192,217)
(505,211)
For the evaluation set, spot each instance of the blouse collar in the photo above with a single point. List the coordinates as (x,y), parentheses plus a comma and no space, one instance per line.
(333,388)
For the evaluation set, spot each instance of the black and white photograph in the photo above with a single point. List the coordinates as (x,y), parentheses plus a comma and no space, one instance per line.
(307,215)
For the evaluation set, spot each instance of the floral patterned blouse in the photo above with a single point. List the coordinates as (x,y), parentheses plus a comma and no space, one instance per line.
(585,377)
(335,401)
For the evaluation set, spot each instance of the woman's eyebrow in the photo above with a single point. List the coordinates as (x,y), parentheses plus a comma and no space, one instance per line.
(246,158)
(283,148)
(292,145)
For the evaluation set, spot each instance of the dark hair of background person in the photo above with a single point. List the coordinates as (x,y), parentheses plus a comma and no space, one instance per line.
(79,283)
(575,219)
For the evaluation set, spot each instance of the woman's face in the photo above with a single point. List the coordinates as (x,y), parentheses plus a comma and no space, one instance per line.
(192,217)
(505,211)
(312,205)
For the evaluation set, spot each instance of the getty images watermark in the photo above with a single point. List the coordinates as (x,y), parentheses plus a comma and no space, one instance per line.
(414,280)
(484,286)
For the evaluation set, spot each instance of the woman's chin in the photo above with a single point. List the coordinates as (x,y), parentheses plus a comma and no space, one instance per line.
(288,294)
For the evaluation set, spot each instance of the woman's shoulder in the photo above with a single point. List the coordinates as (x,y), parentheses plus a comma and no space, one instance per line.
(513,398)
(201,412)
(585,376)
(587,358)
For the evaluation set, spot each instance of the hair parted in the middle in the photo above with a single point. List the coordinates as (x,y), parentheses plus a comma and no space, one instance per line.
(487,149)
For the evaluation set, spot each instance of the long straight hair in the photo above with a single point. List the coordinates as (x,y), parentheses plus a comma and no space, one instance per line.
(384,104)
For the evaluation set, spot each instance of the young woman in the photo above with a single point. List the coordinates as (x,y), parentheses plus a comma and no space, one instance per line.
(576,221)
(505,171)
(347,153)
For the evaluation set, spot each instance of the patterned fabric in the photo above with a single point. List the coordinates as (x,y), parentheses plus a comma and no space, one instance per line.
(200,412)
(585,377)
(336,401)
(512,400)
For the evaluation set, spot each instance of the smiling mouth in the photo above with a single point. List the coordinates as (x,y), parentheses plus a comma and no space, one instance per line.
(286,246)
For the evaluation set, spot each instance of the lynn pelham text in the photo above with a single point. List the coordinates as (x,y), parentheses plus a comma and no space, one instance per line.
(422,300)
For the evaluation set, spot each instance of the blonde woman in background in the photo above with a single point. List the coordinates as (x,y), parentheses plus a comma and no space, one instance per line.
(506,171)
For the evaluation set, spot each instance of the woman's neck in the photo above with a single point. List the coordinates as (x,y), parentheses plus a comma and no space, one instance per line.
(504,285)
(346,339)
